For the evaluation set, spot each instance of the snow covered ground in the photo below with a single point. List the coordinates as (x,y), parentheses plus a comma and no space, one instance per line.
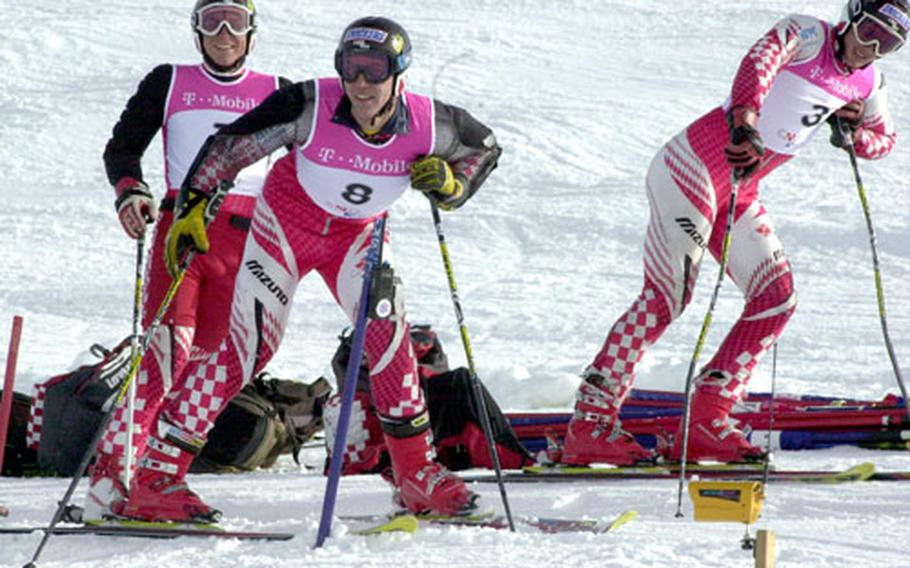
(581,94)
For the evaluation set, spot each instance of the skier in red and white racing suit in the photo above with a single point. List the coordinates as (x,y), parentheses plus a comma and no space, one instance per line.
(359,141)
(798,75)
(187,103)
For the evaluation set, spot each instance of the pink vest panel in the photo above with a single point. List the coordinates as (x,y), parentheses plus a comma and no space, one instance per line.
(197,105)
(349,177)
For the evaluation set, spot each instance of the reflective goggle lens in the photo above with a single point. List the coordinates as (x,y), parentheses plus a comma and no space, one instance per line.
(870,31)
(375,67)
(210,19)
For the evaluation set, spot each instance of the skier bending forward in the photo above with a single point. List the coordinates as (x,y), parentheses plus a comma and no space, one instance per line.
(791,81)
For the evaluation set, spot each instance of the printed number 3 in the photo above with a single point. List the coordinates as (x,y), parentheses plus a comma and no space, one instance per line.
(357,193)
(813,119)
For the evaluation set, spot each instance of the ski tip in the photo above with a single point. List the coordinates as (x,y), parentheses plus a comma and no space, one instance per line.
(399,523)
(859,472)
(623,518)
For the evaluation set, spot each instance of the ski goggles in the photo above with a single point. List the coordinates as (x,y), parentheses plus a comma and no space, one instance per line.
(871,31)
(210,19)
(375,66)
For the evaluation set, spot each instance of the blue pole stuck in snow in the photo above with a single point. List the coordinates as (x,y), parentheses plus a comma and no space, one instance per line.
(347,400)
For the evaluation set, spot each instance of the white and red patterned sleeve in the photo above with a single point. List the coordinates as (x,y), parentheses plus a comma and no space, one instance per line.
(875,137)
(276,122)
(763,62)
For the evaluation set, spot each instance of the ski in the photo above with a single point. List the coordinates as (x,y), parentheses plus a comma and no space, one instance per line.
(489,520)
(658,468)
(860,472)
(555,525)
(398,523)
(890,476)
(142,529)
(798,424)
(404,521)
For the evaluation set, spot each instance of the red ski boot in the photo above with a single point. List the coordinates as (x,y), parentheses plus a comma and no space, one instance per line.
(424,485)
(595,434)
(589,441)
(106,490)
(159,492)
(713,435)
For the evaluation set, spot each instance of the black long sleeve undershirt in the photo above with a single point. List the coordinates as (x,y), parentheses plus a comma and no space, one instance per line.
(138,124)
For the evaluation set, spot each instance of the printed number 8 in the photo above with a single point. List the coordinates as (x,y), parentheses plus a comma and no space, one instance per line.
(357,193)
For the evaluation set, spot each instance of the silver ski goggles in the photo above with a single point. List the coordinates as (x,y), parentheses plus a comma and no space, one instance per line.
(375,66)
(210,19)
(870,31)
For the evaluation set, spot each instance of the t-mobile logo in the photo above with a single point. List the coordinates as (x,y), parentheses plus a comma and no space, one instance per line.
(189,99)
(326,154)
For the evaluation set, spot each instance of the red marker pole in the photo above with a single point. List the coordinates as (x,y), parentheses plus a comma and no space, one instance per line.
(7,405)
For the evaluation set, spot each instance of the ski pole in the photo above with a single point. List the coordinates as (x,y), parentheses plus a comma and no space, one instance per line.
(134,350)
(347,397)
(735,181)
(767,468)
(475,381)
(879,289)
(135,361)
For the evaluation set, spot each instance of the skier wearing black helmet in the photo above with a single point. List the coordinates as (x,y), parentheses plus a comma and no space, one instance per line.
(359,141)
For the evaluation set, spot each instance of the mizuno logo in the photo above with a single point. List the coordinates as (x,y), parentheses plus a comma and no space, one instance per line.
(259,272)
(689,228)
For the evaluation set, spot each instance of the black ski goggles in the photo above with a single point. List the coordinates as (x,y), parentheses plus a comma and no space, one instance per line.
(212,18)
(872,32)
(375,66)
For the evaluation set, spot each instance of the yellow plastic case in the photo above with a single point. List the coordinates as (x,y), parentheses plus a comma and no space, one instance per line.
(727,501)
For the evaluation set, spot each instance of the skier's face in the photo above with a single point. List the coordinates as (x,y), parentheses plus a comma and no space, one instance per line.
(367,99)
(225,49)
(856,54)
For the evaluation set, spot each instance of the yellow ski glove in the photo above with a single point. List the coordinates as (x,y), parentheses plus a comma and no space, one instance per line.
(433,176)
(188,232)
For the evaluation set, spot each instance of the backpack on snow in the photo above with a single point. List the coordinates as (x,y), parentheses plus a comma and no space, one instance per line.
(450,399)
(268,417)
(68,408)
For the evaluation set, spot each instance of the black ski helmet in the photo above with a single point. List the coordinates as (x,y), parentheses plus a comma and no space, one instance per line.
(250,36)
(376,33)
(894,13)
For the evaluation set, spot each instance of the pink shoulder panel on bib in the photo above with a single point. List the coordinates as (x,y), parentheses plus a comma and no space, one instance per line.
(822,72)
